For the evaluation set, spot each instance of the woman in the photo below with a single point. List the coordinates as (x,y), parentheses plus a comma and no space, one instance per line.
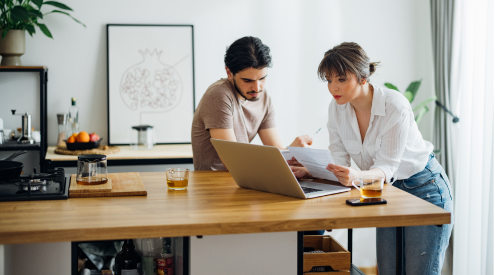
(375,127)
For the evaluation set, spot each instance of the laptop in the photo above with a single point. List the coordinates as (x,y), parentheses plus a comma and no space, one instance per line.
(264,168)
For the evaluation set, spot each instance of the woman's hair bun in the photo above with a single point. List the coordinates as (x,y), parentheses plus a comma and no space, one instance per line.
(372,68)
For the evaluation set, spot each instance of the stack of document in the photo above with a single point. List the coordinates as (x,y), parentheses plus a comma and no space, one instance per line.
(315,160)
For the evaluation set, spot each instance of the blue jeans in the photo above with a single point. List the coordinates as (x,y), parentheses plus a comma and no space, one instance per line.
(424,246)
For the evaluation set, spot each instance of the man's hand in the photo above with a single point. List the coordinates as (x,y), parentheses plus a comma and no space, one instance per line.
(345,175)
(302,141)
(300,172)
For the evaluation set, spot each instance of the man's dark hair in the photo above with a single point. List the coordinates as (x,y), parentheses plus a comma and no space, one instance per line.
(247,52)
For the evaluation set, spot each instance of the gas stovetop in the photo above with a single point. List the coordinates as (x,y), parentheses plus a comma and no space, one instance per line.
(30,187)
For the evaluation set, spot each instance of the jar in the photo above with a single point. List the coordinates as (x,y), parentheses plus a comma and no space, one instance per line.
(91,169)
(62,130)
(143,137)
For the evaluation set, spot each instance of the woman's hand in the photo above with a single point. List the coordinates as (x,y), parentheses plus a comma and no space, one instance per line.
(345,175)
(300,172)
(294,162)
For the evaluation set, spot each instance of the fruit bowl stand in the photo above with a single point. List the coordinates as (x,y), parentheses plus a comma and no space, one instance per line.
(100,150)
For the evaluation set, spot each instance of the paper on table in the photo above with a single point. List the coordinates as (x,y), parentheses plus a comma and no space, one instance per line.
(315,160)
(287,154)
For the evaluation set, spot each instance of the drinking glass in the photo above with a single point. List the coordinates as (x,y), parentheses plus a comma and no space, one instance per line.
(177,178)
(370,186)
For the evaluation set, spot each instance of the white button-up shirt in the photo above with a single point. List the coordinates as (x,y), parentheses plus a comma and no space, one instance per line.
(392,143)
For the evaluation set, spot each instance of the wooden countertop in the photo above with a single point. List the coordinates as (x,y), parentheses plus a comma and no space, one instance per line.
(212,205)
(173,151)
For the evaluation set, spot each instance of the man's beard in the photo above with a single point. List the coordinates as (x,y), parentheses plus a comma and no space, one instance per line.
(239,92)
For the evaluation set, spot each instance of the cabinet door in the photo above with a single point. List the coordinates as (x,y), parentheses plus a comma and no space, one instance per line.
(259,253)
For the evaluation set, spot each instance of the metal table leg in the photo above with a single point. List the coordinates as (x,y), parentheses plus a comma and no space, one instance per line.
(399,255)
(300,252)
(349,241)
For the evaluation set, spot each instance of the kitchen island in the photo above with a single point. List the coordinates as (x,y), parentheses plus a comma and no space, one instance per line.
(212,205)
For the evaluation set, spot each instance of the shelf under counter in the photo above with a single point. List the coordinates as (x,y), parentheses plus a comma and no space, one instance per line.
(160,154)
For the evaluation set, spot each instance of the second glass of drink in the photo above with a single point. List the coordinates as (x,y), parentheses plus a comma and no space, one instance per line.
(177,178)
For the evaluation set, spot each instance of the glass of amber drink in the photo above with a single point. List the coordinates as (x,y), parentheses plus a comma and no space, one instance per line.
(177,178)
(370,186)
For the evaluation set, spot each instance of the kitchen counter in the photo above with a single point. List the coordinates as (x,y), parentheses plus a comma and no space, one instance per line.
(212,205)
(160,154)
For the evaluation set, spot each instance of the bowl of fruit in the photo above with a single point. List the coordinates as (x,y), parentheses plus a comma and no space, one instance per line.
(83,141)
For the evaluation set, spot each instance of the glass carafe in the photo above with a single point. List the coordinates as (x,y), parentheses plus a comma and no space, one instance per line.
(92,169)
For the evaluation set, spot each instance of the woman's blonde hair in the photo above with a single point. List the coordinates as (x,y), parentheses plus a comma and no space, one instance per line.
(347,57)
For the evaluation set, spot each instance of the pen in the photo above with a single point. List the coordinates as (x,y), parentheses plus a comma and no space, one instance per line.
(316,133)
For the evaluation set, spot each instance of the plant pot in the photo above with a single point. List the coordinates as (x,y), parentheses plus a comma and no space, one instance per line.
(12,47)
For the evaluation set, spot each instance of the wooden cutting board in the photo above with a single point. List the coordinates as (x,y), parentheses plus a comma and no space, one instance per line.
(122,184)
(81,188)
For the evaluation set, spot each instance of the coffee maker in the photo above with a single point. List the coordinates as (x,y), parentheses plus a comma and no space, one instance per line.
(26,137)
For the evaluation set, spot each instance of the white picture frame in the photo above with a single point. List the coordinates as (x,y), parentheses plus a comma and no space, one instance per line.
(150,79)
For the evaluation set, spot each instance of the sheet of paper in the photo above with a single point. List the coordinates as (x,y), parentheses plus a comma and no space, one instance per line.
(287,154)
(315,160)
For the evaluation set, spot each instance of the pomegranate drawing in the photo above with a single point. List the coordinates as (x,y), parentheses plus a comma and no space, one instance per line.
(151,86)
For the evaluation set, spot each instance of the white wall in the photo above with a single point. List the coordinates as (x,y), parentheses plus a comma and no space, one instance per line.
(396,33)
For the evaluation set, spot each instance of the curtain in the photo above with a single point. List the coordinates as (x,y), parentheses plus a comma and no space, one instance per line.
(472,98)
(442,13)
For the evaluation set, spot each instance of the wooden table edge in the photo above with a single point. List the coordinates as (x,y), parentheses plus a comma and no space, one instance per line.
(183,230)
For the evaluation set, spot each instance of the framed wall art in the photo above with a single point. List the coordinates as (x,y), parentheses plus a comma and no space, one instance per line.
(150,71)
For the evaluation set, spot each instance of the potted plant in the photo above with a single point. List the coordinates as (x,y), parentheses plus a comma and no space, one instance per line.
(19,16)
(410,94)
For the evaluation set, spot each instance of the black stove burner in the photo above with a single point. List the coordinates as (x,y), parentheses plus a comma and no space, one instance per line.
(36,176)
(43,186)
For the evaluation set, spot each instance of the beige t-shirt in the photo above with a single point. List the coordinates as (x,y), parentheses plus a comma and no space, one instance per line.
(221,108)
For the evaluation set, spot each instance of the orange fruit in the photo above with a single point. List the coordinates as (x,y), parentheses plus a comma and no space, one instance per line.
(82,137)
(71,139)
(74,135)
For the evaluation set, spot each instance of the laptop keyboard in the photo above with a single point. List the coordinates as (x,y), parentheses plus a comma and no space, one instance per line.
(307,190)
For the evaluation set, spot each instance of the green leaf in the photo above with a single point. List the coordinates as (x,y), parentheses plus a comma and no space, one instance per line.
(391,86)
(44,29)
(413,88)
(58,5)
(424,103)
(421,113)
(63,12)
(4,32)
(409,96)
(30,29)
(19,13)
(36,13)
(38,3)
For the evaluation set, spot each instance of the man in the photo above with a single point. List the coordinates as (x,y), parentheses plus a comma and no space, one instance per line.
(238,107)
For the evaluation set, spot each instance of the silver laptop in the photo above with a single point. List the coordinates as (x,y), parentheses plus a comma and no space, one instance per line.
(263,168)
